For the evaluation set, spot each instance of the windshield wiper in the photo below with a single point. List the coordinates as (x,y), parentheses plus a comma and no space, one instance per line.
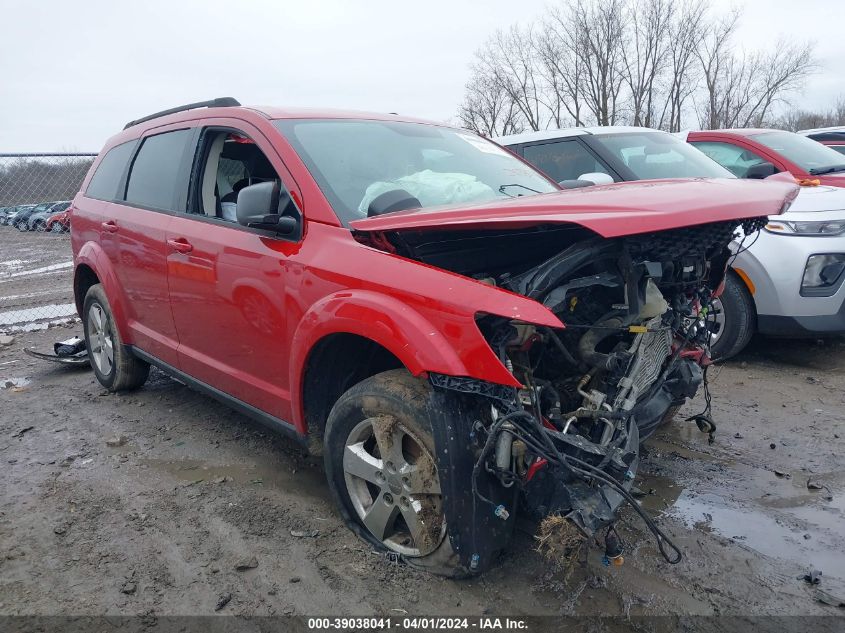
(503,187)
(818,171)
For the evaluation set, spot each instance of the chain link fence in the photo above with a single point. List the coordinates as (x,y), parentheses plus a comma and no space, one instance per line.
(36,268)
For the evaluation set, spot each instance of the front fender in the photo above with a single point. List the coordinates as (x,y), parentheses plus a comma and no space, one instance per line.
(402,330)
(92,255)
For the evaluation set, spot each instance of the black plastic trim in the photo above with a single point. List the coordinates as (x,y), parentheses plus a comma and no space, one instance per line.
(273,423)
(219,102)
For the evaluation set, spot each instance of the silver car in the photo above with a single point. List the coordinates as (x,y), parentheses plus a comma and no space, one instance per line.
(786,280)
(38,220)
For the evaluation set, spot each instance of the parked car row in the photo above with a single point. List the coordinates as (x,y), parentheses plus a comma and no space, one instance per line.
(46,216)
(786,280)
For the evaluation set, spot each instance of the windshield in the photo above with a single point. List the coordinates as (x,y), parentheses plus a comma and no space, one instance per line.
(809,155)
(354,161)
(660,155)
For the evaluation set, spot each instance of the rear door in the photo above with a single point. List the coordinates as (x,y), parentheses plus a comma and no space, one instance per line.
(135,232)
(228,282)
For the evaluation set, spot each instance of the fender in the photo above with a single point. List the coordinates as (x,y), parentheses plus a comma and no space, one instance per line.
(92,255)
(400,329)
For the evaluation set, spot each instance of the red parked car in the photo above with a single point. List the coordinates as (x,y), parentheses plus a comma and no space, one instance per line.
(59,223)
(760,153)
(455,335)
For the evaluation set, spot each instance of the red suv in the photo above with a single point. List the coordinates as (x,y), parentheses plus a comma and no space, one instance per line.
(453,333)
(760,153)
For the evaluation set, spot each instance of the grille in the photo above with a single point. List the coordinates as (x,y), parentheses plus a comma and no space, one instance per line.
(692,241)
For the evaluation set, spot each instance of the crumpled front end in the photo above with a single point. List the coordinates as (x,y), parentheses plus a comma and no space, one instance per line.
(634,348)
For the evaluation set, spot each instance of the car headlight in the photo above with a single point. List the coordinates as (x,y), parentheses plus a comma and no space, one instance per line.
(827,227)
(823,274)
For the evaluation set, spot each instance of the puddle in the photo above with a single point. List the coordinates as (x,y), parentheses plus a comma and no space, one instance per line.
(306,480)
(761,512)
(770,534)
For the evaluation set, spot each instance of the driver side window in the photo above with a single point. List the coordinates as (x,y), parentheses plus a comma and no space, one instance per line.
(737,160)
(230,161)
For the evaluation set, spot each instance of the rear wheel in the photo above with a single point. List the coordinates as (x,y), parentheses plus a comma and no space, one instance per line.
(115,367)
(380,463)
(39,226)
(732,320)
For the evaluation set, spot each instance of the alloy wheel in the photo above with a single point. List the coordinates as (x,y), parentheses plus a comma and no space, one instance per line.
(716,321)
(100,339)
(394,487)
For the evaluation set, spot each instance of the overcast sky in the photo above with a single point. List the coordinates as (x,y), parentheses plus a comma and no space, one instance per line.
(73,73)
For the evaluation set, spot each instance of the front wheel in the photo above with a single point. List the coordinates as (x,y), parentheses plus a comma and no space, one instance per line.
(56,227)
(114,365)
(733,319)
(381,467)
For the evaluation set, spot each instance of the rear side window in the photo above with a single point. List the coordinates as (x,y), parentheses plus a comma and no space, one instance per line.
(158,178)
(106,179)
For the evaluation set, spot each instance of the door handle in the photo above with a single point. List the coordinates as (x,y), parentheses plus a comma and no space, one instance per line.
(181,245)
(109,226)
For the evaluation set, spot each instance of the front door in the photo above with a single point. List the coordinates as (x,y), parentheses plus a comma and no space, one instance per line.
(227,282)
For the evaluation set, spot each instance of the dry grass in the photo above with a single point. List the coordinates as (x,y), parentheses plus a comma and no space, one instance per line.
(560,542)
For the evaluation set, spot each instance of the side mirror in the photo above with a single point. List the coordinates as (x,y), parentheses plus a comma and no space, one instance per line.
(263,206)
(760,171)
(597,178)
(575,184)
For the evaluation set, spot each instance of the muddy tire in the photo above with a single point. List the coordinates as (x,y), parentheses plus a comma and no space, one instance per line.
(738,319)
(380,463)
(113,364)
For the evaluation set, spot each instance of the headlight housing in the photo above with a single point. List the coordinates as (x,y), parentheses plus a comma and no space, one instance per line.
(825,227)
(823,275)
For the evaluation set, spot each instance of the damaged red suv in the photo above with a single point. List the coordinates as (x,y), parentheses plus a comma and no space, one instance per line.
(460,339)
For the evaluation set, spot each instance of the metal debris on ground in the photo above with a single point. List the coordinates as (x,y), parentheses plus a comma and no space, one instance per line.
(68,352)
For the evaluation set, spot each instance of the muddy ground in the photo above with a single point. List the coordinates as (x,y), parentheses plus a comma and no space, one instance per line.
(163,501)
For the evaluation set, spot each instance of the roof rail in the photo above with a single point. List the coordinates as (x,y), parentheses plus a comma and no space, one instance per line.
(219,102)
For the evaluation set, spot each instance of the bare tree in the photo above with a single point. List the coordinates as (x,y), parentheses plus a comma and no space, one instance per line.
(509,57)
(487,108)
(741,87)
(715,54)
(685,32)
(560,62)
(799,119)
(647,62)
(644,55)
(600,24)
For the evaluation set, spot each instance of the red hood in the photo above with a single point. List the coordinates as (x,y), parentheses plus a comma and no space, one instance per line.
(609,210)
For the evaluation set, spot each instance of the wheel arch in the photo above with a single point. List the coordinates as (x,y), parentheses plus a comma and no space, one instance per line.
(92,266)
(361,333)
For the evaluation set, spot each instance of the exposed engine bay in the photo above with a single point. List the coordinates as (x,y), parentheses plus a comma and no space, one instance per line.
(634,348)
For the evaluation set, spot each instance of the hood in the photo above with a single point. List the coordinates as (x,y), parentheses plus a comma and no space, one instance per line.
(624,208)
(816,199)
